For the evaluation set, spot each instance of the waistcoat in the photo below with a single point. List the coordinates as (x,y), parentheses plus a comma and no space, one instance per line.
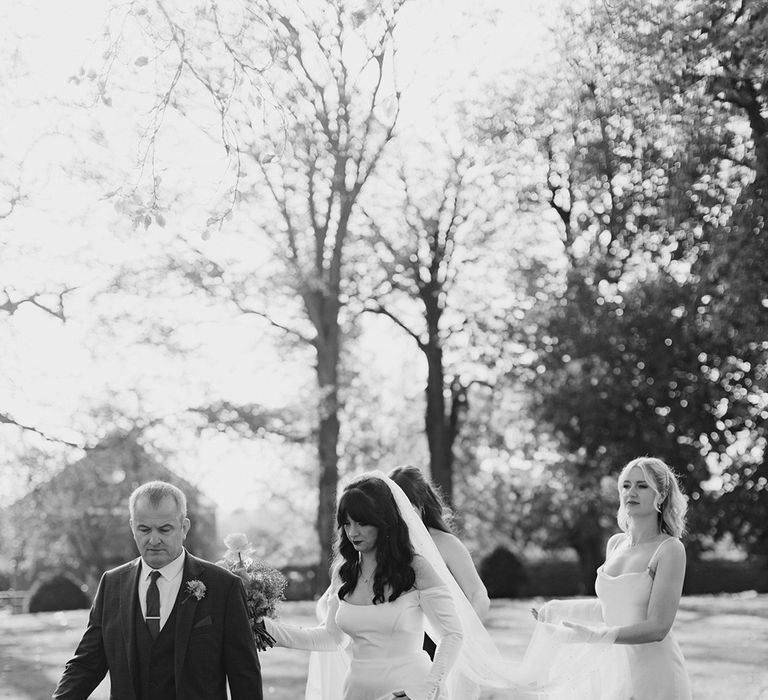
(155,658)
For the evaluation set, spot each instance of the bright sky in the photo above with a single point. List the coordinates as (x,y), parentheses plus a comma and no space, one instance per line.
(447,49)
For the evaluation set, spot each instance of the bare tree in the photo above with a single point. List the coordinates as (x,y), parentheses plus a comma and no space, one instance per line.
(298,175)
(442,224)
(345,113)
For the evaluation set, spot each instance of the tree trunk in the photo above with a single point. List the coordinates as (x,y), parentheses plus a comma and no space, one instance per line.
(327,486)
(327,447)
(435,421)
(587,540)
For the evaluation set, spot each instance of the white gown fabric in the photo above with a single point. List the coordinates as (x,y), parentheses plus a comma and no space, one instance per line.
(368,651)
(386,650)
(657,669)
(383,644)
(651,671)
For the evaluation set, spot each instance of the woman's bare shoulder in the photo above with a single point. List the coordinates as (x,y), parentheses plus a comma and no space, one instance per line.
(671,548)
(614,541)
(426,576)
(446,540)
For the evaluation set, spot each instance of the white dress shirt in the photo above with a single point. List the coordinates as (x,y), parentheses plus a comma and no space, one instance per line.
(168,584)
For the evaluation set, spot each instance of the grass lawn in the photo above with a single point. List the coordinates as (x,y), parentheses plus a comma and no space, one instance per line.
(724,639)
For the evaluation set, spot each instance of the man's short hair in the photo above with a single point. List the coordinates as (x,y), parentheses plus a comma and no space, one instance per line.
(156,491)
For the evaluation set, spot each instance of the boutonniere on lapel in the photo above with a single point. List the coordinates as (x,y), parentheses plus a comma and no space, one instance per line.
(195,589)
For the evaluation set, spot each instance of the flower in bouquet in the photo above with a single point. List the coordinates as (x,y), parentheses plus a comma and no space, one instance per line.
(238,547)
(264,585)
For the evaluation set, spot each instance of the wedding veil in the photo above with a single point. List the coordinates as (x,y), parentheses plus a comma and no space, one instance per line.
(551,662)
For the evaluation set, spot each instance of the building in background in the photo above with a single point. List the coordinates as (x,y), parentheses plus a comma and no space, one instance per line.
(77,521)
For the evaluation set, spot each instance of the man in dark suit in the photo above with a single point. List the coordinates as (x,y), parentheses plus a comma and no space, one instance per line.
(167,626)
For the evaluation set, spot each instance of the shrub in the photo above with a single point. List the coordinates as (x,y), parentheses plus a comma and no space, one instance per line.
(56,592)
(726,576)
(301,582)
(503,574)
(5,581)
(559,578)
(553,578)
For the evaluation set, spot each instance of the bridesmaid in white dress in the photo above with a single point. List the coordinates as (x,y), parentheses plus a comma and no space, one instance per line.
(638,588)
(437,517)
(381,595)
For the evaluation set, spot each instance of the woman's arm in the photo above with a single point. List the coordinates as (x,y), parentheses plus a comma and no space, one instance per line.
(662,606)
(438,607)
(459,562)
(327,636)
(318,638)
(665,598)
(587,611)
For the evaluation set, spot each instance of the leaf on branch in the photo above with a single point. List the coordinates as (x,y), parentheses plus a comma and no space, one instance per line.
(267,158)
(141,61)
(160,220)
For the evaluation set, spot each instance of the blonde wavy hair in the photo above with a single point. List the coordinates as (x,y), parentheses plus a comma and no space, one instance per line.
(670,501)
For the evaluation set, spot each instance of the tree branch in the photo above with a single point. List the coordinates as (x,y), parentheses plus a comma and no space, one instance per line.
(251,418)
(379,309)
(11,307)
(5,419)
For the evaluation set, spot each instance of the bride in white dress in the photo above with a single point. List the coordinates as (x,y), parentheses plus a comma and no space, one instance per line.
(389,585)
(638,593)
(382,593)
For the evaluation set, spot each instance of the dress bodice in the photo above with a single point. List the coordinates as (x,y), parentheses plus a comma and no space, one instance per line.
(656,669)
(624,598)
(387,630)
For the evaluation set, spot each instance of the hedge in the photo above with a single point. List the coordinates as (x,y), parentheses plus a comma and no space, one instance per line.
(556,578)
(57,591)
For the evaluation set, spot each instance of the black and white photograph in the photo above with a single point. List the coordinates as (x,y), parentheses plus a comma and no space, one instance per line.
(384,349)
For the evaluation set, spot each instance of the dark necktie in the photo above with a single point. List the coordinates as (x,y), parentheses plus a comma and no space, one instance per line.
(153,605)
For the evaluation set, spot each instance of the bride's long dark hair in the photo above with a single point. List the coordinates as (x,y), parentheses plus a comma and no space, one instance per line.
(369,501)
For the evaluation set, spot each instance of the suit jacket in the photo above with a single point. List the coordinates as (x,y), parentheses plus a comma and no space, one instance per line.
(213,639)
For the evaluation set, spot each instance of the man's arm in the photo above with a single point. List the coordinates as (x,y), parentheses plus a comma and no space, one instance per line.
(241,660)
(87,668)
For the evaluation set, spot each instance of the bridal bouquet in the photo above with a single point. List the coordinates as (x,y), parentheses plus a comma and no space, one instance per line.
(264,585)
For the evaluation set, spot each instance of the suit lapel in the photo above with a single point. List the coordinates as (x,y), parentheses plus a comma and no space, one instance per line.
(129,585)
(185,614)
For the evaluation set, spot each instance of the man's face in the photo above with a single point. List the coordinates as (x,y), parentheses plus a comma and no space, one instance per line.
(159,531)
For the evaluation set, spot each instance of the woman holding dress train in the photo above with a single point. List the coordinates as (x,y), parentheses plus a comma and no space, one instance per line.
(638,593)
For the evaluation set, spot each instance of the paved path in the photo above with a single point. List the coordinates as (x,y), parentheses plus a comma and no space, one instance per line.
(724,639)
